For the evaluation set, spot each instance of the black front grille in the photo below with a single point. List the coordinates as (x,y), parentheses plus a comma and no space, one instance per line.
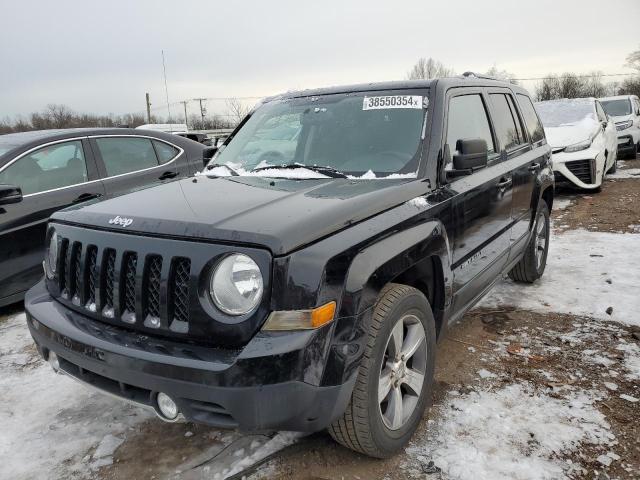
(153,277)
(179,293)
(129,287)
(91,279)
(110,285)
(108,282)
(583,169)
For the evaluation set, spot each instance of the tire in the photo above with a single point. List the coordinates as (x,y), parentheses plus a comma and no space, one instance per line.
(614,167)
(530,267)
(363,426)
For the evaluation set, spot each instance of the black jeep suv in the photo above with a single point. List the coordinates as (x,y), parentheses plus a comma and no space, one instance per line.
(302,280)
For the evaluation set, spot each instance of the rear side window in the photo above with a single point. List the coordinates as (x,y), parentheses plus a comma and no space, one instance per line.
(467,119)
(534,127)
(165,151)
(505,122)
(126,154)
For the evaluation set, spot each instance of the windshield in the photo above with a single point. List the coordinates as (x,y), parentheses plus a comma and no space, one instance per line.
(557,113)
(617,108)
(363,135)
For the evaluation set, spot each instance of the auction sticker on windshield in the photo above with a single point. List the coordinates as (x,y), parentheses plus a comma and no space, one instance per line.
(392,101)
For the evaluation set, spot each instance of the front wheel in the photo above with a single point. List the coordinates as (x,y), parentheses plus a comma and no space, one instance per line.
(531,266)
(395,377)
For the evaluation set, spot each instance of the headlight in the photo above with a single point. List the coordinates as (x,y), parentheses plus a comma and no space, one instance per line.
(236,285)
(52,255)
(576,147)
(624,125)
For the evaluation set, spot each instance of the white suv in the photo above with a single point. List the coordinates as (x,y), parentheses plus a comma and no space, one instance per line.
(625,112)
(582,139)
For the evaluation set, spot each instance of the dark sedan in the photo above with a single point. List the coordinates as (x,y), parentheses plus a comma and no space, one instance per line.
(47,170)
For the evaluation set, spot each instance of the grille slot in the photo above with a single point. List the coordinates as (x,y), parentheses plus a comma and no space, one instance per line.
(151,290)
(582,169)
(62,274)
(91,277)
(179,294)
(108,282)
(128,284)
(75,272)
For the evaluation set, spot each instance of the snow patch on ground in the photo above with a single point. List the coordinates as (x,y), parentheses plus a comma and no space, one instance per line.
(626,173)
(631,359)
(514,432)
(49,421)
(592,257)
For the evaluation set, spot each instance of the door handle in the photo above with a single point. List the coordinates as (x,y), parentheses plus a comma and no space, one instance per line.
(83,197)
(534,167)
(167,175)
(504,183)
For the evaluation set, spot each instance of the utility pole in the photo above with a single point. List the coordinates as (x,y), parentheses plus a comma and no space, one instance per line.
(184,103)
(148,108)
(203,110)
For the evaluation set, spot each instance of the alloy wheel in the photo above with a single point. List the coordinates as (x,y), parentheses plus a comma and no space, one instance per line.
(541,239)
(402,373)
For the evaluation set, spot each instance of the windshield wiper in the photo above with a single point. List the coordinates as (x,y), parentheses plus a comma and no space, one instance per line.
(325,170)
(211,166)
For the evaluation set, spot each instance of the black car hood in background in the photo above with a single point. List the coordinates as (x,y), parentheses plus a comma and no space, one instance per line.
(279,214)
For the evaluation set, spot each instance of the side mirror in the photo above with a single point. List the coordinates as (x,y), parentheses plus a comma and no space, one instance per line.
(10,194)
(472,154)
(208,153)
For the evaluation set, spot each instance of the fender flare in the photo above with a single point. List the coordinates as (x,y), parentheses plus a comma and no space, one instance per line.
(378,264)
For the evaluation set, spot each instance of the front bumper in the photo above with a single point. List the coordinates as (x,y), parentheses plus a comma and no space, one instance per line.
(626,143)
(270,384)
(582,169)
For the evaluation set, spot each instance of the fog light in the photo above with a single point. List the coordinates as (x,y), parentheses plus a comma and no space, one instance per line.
(167,406)
(54,362)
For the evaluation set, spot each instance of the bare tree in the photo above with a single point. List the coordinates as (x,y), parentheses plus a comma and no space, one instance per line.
(549,89)
(237,110)
(631,86)
(495,72)
(633,60)
(593,86)
(425,69)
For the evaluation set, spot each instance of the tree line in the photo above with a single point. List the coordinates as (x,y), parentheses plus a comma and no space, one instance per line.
(566,85)
(56,116)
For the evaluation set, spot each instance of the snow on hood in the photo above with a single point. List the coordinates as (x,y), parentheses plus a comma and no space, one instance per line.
(290,173)
(565,135)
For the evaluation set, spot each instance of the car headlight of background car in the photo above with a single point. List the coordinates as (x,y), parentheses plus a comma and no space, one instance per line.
(624,125)
(51,259)
(576,147)
(236,284)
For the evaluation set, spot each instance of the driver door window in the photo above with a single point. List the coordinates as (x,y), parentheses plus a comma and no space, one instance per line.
(49,168)
(467,118)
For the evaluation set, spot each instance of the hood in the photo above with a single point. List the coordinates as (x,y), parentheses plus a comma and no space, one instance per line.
(565,135)
(279,214)
(622,118)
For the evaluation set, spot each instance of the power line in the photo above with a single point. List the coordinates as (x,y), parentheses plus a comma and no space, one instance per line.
(590,75)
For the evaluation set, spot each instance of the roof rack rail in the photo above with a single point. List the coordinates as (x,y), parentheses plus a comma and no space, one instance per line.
(476,75)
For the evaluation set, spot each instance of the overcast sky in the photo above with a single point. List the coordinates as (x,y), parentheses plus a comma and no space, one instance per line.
(101,57)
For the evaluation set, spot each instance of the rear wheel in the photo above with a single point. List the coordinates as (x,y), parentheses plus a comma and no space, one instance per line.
(395,377)
(531,266)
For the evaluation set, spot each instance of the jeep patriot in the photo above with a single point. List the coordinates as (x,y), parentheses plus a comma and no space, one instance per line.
(302,280)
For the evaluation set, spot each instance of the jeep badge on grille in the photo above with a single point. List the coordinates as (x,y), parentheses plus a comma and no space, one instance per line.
(122,221)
